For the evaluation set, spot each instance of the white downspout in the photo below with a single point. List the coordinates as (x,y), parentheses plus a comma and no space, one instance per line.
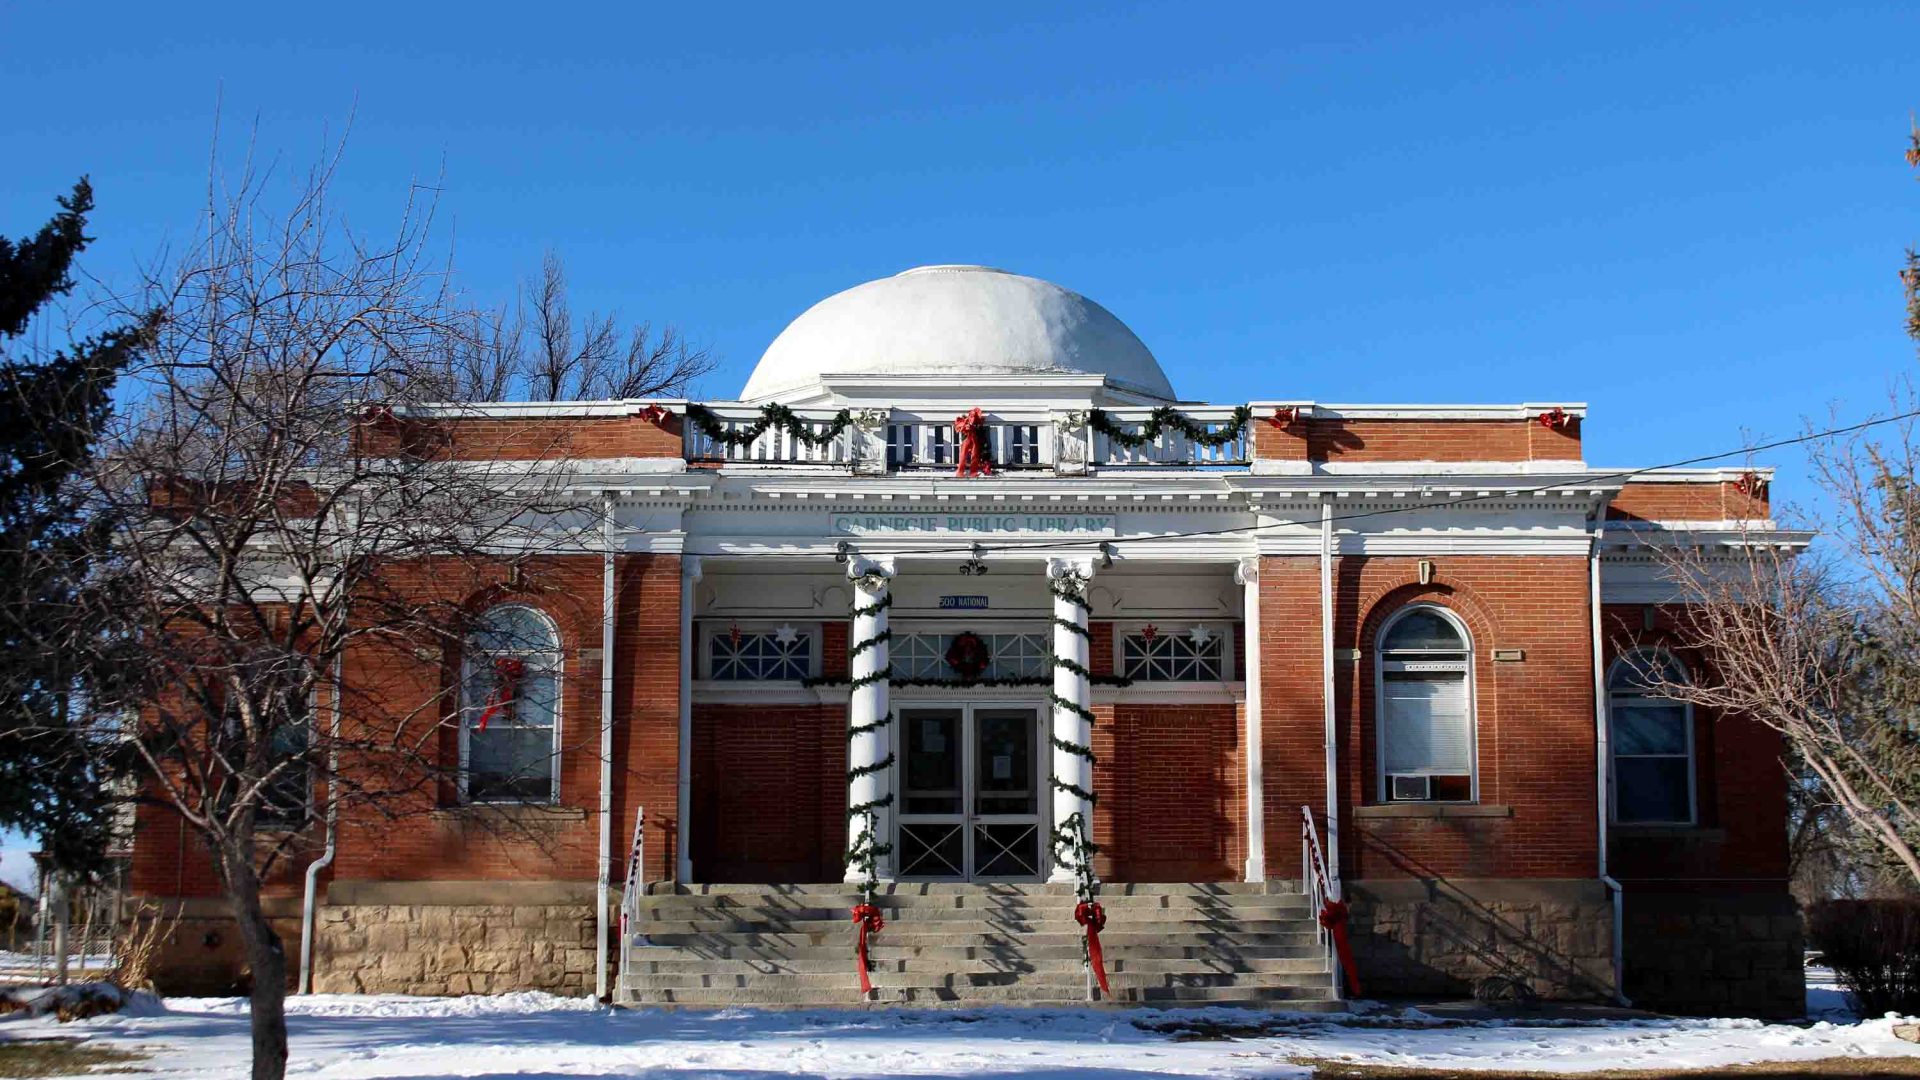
(1603,743)
(602,885)
(326,857)
(1247,572)
(1326,693)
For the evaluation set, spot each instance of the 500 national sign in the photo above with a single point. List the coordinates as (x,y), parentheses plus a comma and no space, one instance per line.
(950,524)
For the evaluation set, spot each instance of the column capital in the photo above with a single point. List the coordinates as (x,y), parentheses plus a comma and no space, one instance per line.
(870,572)
(1246,571)
(1081,566)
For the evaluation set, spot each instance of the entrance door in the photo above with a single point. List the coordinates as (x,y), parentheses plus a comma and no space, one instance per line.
(969,793)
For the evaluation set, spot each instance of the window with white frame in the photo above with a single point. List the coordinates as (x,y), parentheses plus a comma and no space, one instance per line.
(1652,741)
(1423,683)
(510,708)
(759,653)
(1196,653)
(1010,655)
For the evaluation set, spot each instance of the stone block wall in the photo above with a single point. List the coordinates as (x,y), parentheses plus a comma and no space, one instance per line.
(455,949)
(1420,938)
(1716,953)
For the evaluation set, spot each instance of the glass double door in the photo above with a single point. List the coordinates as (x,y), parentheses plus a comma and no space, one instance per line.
(969,793)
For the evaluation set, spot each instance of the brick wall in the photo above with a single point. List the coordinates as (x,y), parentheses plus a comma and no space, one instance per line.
(1328,439)
(1713,500)
(529,438)
(1534,718)
(770,793)
(1171,782)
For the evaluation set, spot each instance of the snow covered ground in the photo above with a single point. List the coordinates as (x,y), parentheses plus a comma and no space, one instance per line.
(539,1037)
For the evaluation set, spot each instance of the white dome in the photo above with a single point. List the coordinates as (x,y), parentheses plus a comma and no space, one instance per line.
(960,320)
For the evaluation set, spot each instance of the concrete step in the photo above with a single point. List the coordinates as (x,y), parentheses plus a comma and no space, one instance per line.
(1063,984)
(841,962)
(843,936)
(1288,997)
(937,901)
(700,909)
(1165,924)
(881,948)
(952,888)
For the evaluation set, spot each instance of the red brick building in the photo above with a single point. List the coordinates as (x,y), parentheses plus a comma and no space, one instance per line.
(1416,629)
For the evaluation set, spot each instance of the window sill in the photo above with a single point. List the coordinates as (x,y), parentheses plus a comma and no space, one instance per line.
(1433,810)
(1666,832)
(520,813)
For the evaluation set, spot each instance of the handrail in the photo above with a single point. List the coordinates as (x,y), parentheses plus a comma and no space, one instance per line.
(634,887)
(1329,910)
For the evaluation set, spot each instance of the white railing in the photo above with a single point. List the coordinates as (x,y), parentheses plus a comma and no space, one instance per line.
(1173,447)
(774,446)
(917,440)
(635,886)
(1317,884)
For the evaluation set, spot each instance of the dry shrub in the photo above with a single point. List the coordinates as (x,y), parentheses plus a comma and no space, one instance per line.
(1873,947)
(138,945)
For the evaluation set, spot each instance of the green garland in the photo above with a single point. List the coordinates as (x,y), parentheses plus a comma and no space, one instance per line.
(772,414)
(1166,416)
(865,853)
(1072,588)
(986,681)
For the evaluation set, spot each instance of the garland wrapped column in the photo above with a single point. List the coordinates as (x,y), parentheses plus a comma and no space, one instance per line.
(1072,774)
(869,724)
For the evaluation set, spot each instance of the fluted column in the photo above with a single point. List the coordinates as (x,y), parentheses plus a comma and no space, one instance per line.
(870,716)
(1247,573)
(1072,774)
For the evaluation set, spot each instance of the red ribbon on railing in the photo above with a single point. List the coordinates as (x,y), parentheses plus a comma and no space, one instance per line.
(870,922)
(507,671)
(1090,914)
(970,429)
(1333,916)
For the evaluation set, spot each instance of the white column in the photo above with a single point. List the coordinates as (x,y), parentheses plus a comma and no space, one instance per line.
(683,856)
(869,715)
(1247,573)
(1072,772)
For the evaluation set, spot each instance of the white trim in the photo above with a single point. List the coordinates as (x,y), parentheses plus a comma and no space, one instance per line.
(1696,475)
(1224,628)
(1422,411)
(703,631)
(527,410)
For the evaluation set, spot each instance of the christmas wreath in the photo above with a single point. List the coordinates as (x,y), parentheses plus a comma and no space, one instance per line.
(967,656)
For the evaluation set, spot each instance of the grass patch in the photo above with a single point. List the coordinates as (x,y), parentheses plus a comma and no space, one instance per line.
(1764,1070)
(59,1057)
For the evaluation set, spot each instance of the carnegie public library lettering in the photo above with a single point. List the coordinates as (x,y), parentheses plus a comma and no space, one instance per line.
(959,640)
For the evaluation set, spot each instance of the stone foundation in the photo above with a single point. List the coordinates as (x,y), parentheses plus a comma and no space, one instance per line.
(454,949)
(1715,953)
(1441,939)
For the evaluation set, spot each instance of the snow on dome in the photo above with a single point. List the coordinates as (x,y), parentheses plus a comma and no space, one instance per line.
(963,320)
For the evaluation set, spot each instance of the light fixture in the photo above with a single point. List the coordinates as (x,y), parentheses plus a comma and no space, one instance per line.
(841,550)
(977,565)
(1106,555)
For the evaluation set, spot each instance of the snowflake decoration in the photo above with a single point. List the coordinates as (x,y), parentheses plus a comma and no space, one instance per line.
(1149,632)
(733,635)
(1200,635)
(786,634)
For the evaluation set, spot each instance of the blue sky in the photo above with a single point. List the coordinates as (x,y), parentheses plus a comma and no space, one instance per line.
(1688,215)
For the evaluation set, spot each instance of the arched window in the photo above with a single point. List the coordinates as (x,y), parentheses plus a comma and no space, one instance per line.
(510,708)
(1652,741)
(1423,683)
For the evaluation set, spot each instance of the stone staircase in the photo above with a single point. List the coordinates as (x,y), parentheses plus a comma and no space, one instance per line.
(792,946)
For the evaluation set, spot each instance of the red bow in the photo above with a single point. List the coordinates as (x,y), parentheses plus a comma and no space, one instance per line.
(1555,418)
(1284,416)
(870,922)
(1333,916)
(971,429)
(507,670)
(1090,914)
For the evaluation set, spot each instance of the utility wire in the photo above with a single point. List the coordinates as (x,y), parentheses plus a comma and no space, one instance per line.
(982,547)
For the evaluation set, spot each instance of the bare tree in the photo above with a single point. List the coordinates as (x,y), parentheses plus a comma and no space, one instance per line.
(285,495)
(541,349)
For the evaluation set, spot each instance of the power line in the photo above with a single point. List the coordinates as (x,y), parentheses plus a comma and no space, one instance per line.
(1623,474)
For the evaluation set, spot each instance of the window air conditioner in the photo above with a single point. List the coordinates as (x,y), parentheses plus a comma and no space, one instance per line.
(1405,788)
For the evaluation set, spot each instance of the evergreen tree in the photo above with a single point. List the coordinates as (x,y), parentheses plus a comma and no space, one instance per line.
(57,401)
